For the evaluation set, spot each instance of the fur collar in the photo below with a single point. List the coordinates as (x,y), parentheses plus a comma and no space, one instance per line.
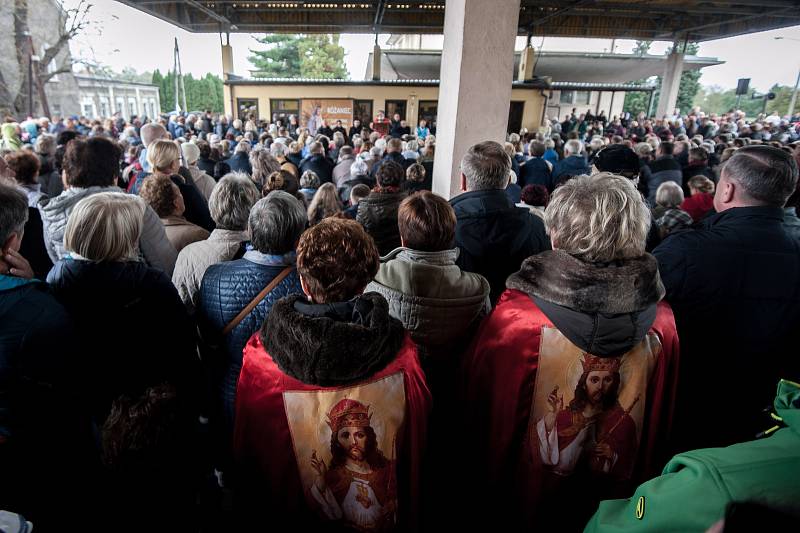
(614,288)
(327,352)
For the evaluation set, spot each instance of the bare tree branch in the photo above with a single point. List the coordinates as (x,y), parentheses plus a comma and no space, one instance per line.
(44,77)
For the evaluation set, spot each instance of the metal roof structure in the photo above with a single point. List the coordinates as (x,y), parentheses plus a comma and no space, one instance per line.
(536,83)
(631,19)
(588,67)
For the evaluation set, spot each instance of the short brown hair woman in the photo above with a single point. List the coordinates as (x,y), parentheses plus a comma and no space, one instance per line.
(335,345)
(422,282)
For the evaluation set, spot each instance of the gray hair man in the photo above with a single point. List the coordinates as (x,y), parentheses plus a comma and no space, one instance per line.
(230,205)
(493,235)
(276,223)
(734,284)
(573,164)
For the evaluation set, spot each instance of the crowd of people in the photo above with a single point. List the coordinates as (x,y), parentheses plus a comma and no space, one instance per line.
(209,324)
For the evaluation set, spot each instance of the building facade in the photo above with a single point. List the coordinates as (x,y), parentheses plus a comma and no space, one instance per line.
(103,97)
(272,99)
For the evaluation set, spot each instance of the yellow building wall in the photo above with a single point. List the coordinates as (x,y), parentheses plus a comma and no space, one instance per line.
(531,116)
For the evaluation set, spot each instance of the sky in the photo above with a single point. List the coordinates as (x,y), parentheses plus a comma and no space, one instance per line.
(125,37)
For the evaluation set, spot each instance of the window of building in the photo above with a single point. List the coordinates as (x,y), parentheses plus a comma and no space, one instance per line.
(583,97)
(87,106)
(428,110)
(396,106)
(245,106)
(104,107)
(120,106)
(566,97)
(281,108)
(131,107)
(362,110)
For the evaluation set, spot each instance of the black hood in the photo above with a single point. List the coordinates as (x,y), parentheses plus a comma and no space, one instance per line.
(332,344)
(603,309)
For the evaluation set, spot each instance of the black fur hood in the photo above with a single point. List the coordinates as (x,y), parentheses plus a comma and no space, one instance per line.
(324,346)
(603,309)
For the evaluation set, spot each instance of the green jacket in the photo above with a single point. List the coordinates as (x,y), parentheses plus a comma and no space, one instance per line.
(692,492)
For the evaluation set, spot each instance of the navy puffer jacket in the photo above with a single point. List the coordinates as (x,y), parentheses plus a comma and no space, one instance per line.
(226,289)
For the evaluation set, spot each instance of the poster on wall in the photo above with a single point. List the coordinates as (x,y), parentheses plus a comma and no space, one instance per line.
(313,111)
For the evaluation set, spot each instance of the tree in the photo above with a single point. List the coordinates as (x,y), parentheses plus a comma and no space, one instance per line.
(317,56)
(322,57)
(17,101)
(201,94)
(715,99)
(642,47)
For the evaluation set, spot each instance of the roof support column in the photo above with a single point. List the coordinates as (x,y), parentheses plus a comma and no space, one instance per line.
(376,61)
(227,58)
(670,82)
(475,88)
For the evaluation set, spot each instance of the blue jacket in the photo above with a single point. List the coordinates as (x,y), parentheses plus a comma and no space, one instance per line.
(240,162)
(551,155)
(536,172)
(226,289)
(46,440)
(734,285)
(574,165)
(35,337)
(495,236)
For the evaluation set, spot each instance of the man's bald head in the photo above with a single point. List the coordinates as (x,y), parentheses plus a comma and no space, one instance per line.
(152,132)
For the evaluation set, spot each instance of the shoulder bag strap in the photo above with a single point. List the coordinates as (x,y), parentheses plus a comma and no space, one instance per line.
(260,296)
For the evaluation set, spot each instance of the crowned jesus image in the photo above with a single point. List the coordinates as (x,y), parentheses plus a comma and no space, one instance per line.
(359,486)
(594,431)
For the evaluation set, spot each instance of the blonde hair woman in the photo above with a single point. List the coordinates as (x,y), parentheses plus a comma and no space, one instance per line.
(104,287)
(165,160)
(164,157)
(324,204)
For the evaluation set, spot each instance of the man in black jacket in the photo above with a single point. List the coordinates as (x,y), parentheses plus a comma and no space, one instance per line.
(318,163)
(38,388)
(734,285)
(394,149)
(493,235)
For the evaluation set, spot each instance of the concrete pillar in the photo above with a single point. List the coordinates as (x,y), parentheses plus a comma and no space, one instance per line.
(526,62)
(376,62)
(475,83)
(670,82)
(112,103)
(227,61)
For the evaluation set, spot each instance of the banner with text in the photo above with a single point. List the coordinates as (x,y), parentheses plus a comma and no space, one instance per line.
(313,111)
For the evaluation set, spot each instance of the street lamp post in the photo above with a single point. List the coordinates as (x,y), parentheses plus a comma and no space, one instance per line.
(793,101)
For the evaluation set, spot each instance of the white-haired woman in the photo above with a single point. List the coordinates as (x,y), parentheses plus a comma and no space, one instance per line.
(204,182)
(569,375)
(138,366)
(230,205)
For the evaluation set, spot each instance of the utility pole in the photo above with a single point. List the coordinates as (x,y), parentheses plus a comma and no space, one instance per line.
(180,86)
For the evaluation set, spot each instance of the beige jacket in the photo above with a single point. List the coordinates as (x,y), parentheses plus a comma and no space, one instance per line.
(180,232)
(194,260)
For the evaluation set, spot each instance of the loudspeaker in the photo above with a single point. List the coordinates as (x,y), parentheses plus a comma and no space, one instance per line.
(742,86)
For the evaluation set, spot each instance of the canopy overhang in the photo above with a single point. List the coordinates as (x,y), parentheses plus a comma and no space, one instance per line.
(634,19)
